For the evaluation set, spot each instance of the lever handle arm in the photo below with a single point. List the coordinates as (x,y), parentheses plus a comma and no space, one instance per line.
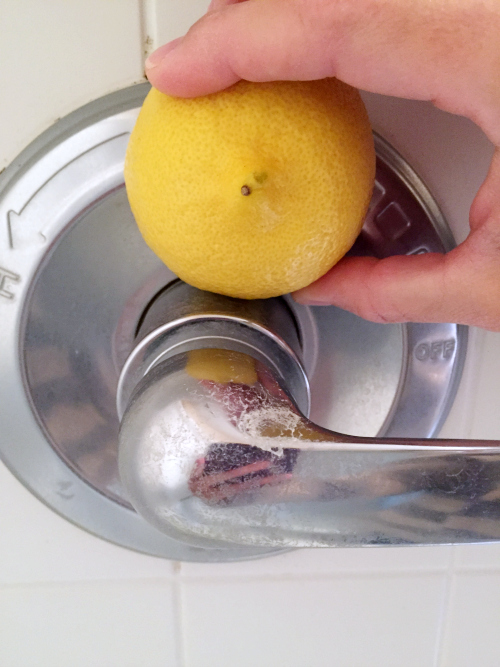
(213,448)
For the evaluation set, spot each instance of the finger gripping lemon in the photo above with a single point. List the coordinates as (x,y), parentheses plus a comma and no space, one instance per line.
(254,191)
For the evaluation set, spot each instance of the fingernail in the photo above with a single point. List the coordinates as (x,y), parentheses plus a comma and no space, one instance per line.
(157,56)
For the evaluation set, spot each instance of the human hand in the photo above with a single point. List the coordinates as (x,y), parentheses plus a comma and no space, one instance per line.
(447,52)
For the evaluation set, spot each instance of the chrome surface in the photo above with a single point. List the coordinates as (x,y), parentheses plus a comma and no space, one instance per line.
(76,278)
(191,319)
(237,462)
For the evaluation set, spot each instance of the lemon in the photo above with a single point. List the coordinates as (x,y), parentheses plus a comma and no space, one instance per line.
(221,366)
(254,191)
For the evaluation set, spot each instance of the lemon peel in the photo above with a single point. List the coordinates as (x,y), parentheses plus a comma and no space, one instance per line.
(255,191)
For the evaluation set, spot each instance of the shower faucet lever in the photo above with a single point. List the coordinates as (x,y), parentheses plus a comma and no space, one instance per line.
(216,447)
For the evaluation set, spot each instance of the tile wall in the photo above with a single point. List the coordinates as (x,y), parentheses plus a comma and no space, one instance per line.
(68,599)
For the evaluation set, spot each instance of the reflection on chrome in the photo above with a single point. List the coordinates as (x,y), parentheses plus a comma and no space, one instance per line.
(214,449)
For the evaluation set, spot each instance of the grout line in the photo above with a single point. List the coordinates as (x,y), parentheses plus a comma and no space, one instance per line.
(179,617)
(444,619)
(246,578)
(475,355)
(485,570)
(147,10)
(61,583)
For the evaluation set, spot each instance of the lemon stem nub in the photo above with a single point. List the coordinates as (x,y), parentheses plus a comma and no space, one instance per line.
(245,190)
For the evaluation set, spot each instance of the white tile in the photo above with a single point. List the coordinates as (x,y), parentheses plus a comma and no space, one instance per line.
(59,54)
(472,636)
(485,414)
(373,621)
(37,545)
(82,625)
(477,557)
(327,561)
(168,20)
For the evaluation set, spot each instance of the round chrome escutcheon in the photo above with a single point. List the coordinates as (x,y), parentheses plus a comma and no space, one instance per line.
(75,278)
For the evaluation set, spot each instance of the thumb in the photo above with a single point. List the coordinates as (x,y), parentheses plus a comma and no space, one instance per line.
(461,286)
(406,49)
(395,289)
(253,40)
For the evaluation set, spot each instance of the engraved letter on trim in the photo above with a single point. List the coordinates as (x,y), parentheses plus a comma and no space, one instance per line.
(437,350)
(7,277)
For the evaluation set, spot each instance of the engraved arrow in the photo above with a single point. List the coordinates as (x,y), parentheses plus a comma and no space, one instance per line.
(58,199)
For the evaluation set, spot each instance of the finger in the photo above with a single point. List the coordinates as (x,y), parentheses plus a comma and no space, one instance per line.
(218,4)
(159,54)
(258,40)
(462,286)
(485,209)
(443,51)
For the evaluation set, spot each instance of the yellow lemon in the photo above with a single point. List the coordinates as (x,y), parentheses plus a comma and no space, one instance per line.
(221,366)
(254,191)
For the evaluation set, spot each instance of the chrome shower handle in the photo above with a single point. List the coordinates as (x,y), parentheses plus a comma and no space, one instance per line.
(215,451)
